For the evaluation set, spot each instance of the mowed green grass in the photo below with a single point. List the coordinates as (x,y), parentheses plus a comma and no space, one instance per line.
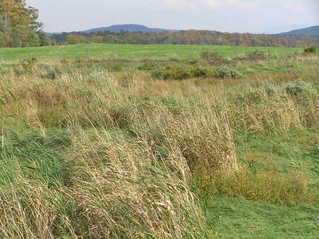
(82,51)
(239,218)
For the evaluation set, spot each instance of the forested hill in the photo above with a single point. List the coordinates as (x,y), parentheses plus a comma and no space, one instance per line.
(309,31)
(185,37)
(126,28)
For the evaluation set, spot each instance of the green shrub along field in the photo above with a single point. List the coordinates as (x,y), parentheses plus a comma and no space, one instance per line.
(129,141)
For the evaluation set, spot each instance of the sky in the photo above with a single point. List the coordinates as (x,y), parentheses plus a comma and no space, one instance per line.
(255,16)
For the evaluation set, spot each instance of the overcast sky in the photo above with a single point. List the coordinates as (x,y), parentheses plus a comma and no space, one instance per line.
(258,16)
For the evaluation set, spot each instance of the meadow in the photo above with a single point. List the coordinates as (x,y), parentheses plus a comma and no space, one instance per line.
(126,51)
(159,142)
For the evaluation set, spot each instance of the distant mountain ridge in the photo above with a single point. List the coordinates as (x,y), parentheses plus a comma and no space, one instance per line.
(127,28)
(139,34)
(303,32)
(309,31)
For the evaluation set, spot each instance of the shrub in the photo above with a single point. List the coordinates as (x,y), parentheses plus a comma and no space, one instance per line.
(200,72)
(28,65)
(182,73)
(256,55)
(51,73)
(213,58)
(297,87)
(253,56)
(148,66)
(173,73)
(226,72)
(310,50)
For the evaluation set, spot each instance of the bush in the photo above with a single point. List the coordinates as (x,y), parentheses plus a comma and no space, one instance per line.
(297,87)
(148,66)
(172,72)
(257,55)
(200,72)
(28,65)
(51,73)
(213,58)
(253,56)
(226,72)
(181,73)
(310,50)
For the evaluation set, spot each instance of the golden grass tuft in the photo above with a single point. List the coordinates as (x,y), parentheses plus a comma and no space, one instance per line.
(125,195)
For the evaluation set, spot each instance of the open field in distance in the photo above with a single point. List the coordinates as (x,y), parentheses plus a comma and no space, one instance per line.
(132,51)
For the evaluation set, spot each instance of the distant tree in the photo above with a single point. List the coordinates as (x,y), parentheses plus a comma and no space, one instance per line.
(44,39)
(76,39)
(18,24)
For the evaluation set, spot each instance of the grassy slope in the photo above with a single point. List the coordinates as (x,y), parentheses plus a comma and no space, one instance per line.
(130,51)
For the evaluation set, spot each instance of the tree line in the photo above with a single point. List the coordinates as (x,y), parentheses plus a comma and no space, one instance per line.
(185,37)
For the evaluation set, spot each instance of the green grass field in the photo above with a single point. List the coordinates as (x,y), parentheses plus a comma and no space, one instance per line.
(239,218)
(85,51)
(159,142)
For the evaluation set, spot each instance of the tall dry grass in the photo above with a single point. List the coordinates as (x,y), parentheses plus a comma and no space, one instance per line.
(139,151)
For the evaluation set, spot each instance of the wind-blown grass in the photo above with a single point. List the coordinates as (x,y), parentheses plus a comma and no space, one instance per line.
(88,152)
